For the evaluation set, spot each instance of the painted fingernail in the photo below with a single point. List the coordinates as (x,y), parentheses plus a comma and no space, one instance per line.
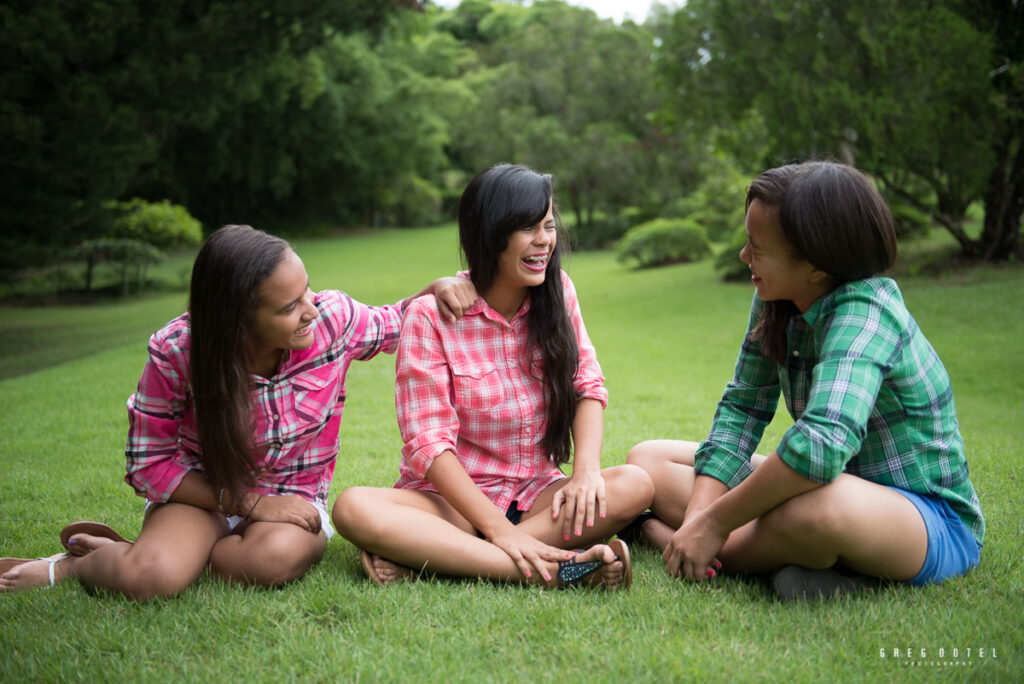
(547,577)
(711,573)
(579,531)
(565,537)
(528,575)
(72,541)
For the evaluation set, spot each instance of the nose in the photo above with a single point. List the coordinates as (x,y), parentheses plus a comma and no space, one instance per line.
(745,254)
(310,313)
(542,236)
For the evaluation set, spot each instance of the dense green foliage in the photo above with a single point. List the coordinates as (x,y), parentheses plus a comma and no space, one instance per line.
(926,96)
(667,340)
(662,242)
(289,115)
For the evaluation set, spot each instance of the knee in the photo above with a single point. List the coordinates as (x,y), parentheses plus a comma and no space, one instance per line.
(643,455)
(806,518)
(145,576)
(353,512)
(281,558)
(630,486)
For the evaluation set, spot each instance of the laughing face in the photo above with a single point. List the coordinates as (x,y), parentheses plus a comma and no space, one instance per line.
(525,259)
(776,269)
(286,314)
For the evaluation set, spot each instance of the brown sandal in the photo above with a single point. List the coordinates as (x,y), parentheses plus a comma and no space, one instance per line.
(96,529)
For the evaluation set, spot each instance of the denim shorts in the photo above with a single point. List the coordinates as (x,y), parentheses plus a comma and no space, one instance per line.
(952,550)
(514,515)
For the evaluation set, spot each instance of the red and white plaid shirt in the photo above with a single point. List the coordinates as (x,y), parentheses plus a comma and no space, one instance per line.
(473,388)
(296,413)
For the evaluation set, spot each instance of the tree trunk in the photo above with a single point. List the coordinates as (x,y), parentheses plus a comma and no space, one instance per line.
(1004,202)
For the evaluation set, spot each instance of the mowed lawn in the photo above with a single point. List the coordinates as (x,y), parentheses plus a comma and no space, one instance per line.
(666,339)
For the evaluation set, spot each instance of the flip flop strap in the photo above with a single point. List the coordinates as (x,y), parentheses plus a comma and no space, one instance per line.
(570,572)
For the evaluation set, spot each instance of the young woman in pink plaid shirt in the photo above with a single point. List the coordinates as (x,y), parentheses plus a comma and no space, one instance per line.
(489,406)
(234,427)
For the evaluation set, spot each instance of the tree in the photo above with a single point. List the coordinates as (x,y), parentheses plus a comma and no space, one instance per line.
(93,91)
(900,89)
(556,87)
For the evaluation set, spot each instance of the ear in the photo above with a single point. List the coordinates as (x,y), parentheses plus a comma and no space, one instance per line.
(817,276)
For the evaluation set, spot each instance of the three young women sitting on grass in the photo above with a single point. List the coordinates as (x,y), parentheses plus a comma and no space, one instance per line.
(871,482)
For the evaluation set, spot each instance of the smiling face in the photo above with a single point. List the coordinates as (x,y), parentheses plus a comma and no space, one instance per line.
(777,271)
(524,261)
(285,316)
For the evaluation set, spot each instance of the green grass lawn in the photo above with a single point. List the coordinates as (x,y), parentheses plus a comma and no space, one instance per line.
(666,339)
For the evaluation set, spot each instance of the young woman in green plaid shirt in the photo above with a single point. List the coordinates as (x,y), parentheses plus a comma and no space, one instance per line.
(871,481)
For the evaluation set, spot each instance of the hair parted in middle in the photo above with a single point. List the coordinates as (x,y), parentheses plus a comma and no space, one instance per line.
(503,199)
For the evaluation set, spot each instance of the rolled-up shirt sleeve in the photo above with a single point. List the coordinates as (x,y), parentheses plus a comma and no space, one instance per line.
(426,416)
(746,408)
(589,381)
(154,416)
(857,352)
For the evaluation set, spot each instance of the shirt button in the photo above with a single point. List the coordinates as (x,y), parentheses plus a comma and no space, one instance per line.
(277,417)
(276,445)
(796,353)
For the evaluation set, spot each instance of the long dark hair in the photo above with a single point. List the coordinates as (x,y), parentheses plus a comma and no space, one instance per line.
(498,201)
(224,293)
(835,220)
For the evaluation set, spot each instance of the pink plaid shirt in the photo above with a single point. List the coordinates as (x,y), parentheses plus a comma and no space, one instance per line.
(297,412)
(472,387)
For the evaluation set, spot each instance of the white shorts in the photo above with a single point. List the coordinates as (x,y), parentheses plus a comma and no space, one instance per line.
(325,518)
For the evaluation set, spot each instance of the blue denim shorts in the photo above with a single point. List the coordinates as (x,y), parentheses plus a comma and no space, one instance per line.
(952,550)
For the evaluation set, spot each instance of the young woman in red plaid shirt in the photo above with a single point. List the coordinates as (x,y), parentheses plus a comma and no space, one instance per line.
(233,431)
(489,407)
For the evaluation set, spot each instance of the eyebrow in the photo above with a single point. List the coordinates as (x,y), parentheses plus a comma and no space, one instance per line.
(296,299)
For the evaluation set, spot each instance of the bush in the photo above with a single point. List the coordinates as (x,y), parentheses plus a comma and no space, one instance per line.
(727,262)
(664,241)
(161,224)
(910,222)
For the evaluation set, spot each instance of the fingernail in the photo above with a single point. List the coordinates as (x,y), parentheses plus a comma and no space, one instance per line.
(579,531)
(711,573)
(565,537)
(603,515)
(72,541)
(547,577)
(528,575)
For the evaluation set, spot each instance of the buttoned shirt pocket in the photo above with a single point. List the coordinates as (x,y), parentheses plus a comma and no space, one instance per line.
(476,385)
(314,394)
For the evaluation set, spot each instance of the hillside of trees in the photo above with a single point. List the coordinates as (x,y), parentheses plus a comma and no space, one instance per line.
(293,114)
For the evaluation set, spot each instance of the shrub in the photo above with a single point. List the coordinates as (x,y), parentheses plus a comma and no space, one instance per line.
(135,256)
(727,262)
(910,222)
(664,241)
(161,224)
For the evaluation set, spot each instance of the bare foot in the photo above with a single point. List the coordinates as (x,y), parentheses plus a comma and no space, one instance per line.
(35,573)
(81,544)
(389,572)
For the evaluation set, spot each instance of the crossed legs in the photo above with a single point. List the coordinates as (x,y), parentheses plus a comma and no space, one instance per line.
(862,525)
(421,530)
(176,544)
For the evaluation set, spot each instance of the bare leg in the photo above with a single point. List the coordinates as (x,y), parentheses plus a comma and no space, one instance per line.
(628,491)
(170,554)
(865,526)
(837,523)
(423,531)
(267,554)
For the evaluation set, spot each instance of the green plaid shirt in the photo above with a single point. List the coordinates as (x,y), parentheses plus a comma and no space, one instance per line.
(868,394)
